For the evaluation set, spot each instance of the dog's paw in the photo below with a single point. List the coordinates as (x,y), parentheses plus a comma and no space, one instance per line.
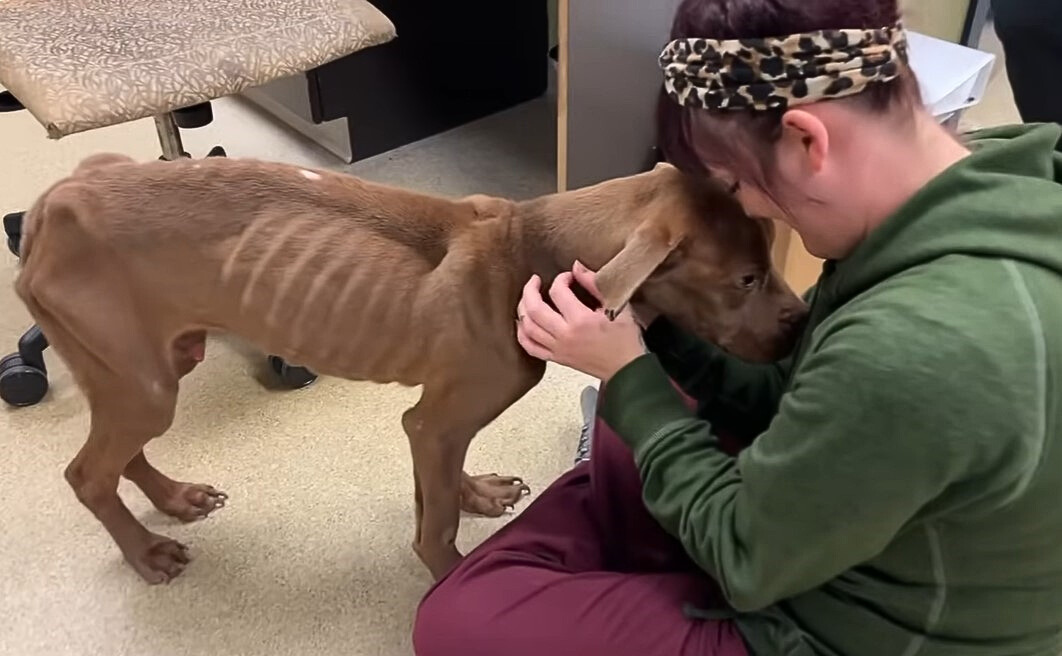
(491,495)
(190,501)
(160,560)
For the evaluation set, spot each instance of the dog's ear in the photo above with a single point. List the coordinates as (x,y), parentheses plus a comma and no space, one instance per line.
(645,250)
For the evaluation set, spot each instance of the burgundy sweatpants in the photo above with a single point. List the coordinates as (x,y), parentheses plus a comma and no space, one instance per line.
(584,570)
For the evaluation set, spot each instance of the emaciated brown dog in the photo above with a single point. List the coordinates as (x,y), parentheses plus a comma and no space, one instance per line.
(126,266)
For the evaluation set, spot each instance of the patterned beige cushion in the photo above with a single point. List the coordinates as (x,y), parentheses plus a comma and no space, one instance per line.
(83,64)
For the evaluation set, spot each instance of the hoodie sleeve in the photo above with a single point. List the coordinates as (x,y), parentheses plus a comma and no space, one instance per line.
(734,393)
(869,433)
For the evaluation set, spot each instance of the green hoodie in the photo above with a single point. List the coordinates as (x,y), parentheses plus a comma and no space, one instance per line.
(904,495)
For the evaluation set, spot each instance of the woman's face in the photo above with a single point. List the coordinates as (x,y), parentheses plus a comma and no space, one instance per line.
(806,218)
(811,188)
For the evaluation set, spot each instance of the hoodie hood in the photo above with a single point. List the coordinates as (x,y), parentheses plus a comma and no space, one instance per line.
(1003,201)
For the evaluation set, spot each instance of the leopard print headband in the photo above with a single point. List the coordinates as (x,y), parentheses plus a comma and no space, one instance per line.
(777,73)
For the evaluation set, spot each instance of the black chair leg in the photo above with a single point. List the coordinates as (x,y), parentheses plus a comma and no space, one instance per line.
(23,375)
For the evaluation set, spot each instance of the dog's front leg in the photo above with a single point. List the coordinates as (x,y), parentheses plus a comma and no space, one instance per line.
(439,473)
(440,428)
(438,441)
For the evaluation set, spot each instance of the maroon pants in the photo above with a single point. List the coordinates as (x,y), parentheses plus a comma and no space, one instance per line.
(584,570)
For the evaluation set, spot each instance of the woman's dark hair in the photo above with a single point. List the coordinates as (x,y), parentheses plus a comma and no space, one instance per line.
(741,141)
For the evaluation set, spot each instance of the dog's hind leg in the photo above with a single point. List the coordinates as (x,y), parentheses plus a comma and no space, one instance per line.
(491,495)
(440,428)
(185,501)
(113,442)
(127,412)
(112,338)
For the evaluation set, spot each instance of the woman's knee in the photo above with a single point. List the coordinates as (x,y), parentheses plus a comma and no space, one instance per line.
(472,611)
(444,624)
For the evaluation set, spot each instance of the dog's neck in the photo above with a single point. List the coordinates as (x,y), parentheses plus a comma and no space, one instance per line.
(559,229)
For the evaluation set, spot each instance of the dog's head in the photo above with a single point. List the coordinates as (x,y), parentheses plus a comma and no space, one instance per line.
(696,258)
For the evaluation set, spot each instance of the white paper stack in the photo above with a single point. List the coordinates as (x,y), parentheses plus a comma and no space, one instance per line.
(952,77)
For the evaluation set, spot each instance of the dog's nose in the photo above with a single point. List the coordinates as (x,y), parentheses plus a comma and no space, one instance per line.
(793,316)
(793,320)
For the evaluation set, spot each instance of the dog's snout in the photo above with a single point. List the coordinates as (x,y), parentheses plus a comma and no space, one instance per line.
(794,316)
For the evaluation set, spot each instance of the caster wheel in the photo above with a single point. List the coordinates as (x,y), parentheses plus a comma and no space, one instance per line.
(13,230)
(217,151)
(292,376)
(20,384)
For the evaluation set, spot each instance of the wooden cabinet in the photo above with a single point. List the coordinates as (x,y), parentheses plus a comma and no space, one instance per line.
(451,63)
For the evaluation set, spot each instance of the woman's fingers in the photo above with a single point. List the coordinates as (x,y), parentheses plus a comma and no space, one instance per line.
(577,336)
(536,333)
(533,348)
(587,279)
(565,299)
(537,310)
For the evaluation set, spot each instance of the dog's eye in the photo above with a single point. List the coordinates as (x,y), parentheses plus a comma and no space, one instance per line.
(749,281)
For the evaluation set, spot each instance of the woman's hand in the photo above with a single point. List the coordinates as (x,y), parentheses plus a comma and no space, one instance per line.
(576,336)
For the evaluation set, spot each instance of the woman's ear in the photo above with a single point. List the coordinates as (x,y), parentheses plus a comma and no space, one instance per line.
(806,134)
